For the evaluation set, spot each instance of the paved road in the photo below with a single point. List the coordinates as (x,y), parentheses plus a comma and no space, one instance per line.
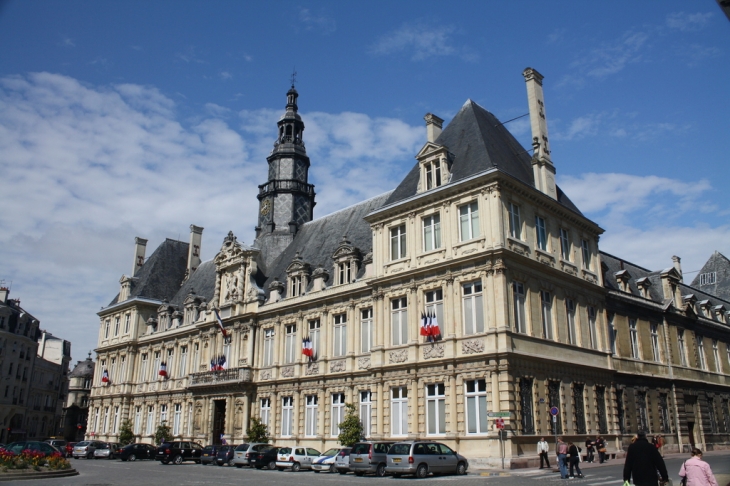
(111,473)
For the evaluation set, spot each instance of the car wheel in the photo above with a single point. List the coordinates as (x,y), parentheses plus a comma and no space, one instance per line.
(380,471)
(461,469)
(422,471)
(166,462)
(272,465)
(296,467)
(316,472)
(239,466)
(342,471)
(359,473)
(333,469)
(280,468)
(178,460)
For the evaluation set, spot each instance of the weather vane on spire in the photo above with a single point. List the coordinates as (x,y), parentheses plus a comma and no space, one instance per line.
(294,77)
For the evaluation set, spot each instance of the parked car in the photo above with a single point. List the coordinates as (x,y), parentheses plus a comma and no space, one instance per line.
(264,458)
(179,451)
(225,455)
(342,462)
(86,448)
(33,445)
(208,455)
(369,457)
(326,461)
(59,444)
(109,450)
(296,458)
(243,453)
(132,452)
(70,449)
(420,458)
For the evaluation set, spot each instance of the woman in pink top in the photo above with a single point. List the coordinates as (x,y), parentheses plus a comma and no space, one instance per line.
(697,471)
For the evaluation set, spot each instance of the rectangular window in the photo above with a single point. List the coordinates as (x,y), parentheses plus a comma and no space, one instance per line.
(156,365)
(711,415)
(547,314)
(116,326)
(399,411)
(344,273)
(295,286)
(150,419)
(476,407)
(540,233)
(570,313)
(314,337)
(432,232)
(338,413)
(143,368)
(310,415)
(163,414)
(190,419)
(366,329)
(268,347)
(592,330)
(701,352)
(127,319)
(708,278)
(115,425)
(265,413)
(105,425)
(716,354)
(340,335)
(565,244)
(398,242)
(655,342)
(183,360)
(290,344)
(634,339)
(137,419)
(681,347)
(366,412)
(641,409)
(177,419)
(196,358)
(579,408)
(169,362)
(515,223)
(112,370)
(435,305)
(287,414)
(518,297)
(664,420)
(469,221)
(586,254)
(436,409)
(399,321)
(107,324)
(433,174)
(473,308)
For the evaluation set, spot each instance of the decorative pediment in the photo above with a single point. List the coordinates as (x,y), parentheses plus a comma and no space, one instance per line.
(672,274)
(232,252)
(298,266)
(719,309)
(192,299)
(689,299)
(623,275)
(346,251)
(431,149)
(643,282)
(705,304)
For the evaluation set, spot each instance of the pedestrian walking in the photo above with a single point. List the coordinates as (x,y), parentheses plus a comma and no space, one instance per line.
(542,450)
(696,471)
(660,445)
(574,460)
(643,463)
(601,448)
(562,451)
(589,449)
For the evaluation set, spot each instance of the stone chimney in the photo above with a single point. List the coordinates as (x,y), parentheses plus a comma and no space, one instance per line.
(140,247)
(433,127)
(542,165)
(678,266)
(4,291)
(196,236)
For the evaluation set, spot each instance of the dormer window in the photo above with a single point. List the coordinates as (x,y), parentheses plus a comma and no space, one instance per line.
(644,283)
(433,174)
(344,273)
(295,285)
(298,273)
(623,277)
(346,262)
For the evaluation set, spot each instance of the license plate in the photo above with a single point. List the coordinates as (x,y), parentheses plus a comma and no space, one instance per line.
(396,460)
(358,459)
(205,455)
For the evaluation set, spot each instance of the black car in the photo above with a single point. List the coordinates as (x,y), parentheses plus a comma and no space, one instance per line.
(209,454)
(132,452)
(224,455)
(265,458)
(179,451)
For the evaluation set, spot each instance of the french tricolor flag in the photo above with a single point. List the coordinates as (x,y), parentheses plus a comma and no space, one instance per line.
(220,323)
(163,370)
(308,348)
(105,377)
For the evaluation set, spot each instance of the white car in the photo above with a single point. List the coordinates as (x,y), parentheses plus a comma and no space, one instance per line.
(326,462)
(243,453)
(296,458)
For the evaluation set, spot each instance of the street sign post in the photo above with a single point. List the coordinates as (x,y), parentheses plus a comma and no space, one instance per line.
(554,411)
(498,414)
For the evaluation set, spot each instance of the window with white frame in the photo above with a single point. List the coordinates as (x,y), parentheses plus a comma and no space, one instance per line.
(169,362)
(432,232)
(468,221)
(290,344)
(435,409)
(314,330)
(116,325)
(137,419)
(518,302)
(399,411)
(196,358)
(540,233)
(338,413)
(190,419)
(127,319)
(473,307)
(366,410)
(310,415)
(115,425)
(681,347)
(295,286)
(564,244)
(105,425)
(344,273)
(287,415)
(399,320)
(433,173)
(150,419)
(398,242)
(586,249)
(701,352)
(570,316)
(163,414)
(265,413)
(268,347)
(716,355)
(435,304)
(177,419)
(476,407)
(340,335)
(143,368)
(156,365)
(107,325)
(112,370)
(592,329)
(654,329)
(123,369)
(183,360)
(366,329)
(515,222)
(634,339)
(708,278)
(546,301)
(96,419)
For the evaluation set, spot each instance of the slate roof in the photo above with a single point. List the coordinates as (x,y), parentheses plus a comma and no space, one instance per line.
(719,264)
(317,240)
(202,281)
(82,369)
(161,275)
(477,141)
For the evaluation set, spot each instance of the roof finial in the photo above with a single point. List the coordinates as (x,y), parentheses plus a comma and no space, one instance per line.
(294,77)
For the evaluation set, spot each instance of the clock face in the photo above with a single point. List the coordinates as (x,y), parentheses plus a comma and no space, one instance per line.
(265,207)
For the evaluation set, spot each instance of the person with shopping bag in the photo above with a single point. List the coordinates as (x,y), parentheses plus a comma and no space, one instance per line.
(644,463)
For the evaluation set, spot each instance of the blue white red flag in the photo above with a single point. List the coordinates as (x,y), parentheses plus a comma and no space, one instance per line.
(220,323)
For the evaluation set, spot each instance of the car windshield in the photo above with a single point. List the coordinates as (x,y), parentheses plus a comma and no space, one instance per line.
(285,450)
(399,449)
(361,449)
(331,452)
(81,444)
(242,447)
(225,449)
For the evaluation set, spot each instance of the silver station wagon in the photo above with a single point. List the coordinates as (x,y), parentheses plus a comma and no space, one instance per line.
(423,457)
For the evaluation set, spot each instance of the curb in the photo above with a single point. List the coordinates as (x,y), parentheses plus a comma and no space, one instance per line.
(63,473)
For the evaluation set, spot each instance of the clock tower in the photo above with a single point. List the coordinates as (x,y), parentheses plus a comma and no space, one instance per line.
(286,200)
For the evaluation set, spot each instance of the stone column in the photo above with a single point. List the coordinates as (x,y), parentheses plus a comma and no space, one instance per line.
(379,404)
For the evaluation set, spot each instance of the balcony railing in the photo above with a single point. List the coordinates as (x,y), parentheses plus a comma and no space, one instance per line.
(224,377)
(286,185)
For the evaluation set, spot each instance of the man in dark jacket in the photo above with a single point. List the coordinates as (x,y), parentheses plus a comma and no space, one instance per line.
(642,463)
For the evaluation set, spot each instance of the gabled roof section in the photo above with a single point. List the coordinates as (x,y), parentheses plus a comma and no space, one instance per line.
(718,264)
(161,275)
(202,281)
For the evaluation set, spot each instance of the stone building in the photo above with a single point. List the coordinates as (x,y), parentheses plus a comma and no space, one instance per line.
(76,409)
(478,236)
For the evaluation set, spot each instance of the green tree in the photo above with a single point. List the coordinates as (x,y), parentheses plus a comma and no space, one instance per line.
(351,427)
(163,433)
(126,435)
(258,431)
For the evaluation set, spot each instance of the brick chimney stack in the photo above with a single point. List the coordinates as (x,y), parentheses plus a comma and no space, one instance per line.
(196,237)
(140,247)
(433,127)
(542,165)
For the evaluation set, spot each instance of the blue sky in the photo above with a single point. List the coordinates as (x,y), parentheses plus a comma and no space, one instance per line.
(134,118)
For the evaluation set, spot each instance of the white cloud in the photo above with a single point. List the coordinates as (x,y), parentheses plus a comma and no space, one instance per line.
(225,75)
(422,41)
(612,58)
(688,22)
(320,23)
(66,42)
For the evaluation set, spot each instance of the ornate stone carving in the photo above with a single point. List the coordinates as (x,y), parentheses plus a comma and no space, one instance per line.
(243,362)
(363,363)
(311,369)
(433,351)
(337,366)
(398,356)
(472,346)
(152,387)
(140,388)
(265,375)
(287,372)
(179,384)
(165,385)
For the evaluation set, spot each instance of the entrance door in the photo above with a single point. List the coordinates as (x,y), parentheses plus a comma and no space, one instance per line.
(219,420)
(691,432)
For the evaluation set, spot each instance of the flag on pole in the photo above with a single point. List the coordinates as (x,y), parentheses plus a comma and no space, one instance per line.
(222,362)
(307,348)
(424,325)
(435,330)
(163,370)
(213,364)
(220,323)
(105,377)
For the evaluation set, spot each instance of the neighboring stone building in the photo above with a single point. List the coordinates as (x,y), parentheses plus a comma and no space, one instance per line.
(714,278)
(531,314)
(76,410)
